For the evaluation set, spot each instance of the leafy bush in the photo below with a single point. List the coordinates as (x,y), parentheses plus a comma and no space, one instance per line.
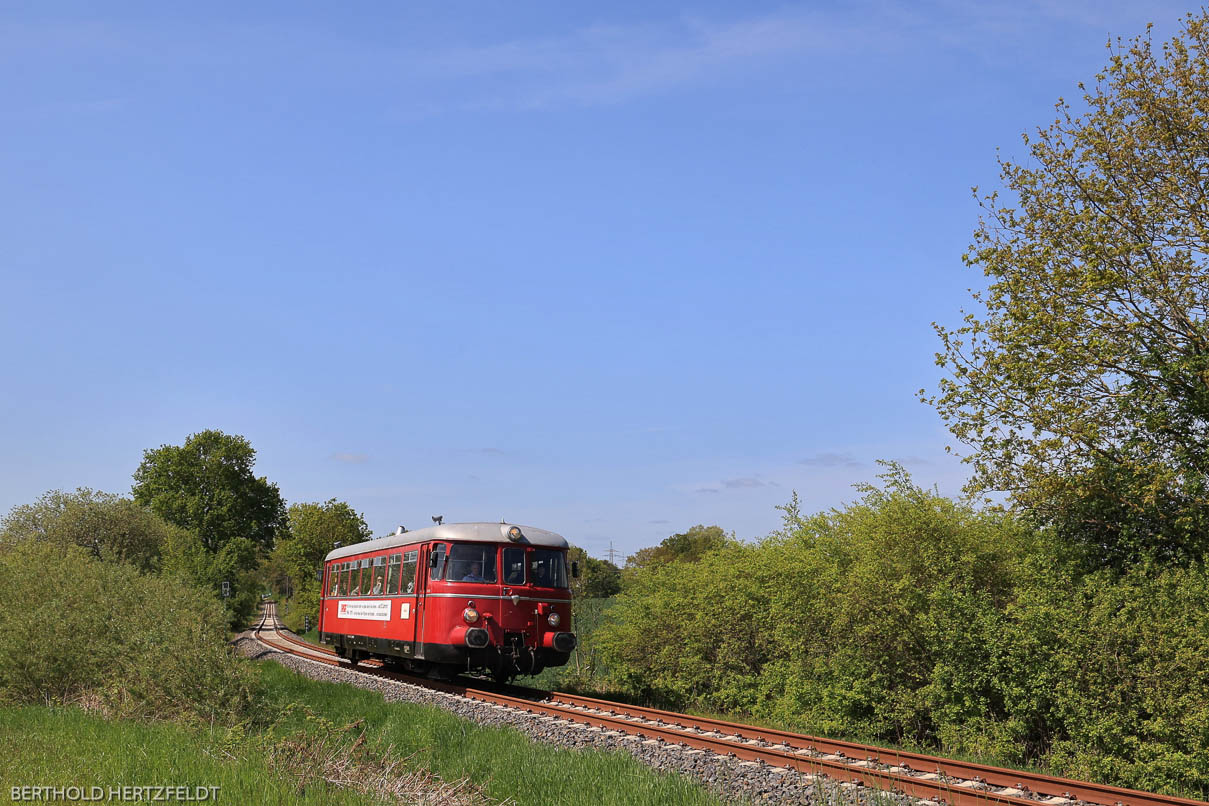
(108,526)
(912,619)
(187,560)
(77,630)
(691,631)
(303,610)
(1108,675)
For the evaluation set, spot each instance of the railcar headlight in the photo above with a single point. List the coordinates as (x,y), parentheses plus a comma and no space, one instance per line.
(471,615)
(514,533)
(553,619)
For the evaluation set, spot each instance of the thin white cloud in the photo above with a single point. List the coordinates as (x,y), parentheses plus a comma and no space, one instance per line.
(349,458)
(912,460)
(600,64)
(608,64)
(830,459)
(746,483)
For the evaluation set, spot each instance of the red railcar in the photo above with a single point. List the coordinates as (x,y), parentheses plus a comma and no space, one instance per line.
(454,597)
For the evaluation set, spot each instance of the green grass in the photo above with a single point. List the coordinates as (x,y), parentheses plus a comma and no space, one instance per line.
(503,762)
(66,747)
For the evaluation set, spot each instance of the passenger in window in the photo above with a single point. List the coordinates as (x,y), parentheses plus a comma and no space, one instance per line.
(377,588)
(475,574)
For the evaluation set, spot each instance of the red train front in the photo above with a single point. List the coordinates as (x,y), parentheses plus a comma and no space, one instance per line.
(454,597)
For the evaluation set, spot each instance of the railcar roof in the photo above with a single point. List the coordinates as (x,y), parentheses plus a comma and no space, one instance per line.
(467,532)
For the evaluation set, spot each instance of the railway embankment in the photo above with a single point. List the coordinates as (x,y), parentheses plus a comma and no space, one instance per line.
(608,754)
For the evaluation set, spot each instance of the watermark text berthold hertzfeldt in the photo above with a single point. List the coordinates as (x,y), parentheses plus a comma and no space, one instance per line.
(114,794)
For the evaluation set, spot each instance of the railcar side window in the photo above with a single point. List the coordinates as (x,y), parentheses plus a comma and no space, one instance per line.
(549,568)
(514,566)
(392,574)
(469,562)
(408,583)
(438,566)
(379,576)
(346,579)
(333,580)
(361,578)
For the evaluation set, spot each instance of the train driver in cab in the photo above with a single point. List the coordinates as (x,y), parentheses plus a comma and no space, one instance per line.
(475,574)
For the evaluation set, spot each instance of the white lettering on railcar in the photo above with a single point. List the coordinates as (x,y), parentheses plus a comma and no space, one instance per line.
(370,609)
(405,610)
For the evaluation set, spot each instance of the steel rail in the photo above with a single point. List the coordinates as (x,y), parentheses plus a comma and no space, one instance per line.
(1047,785)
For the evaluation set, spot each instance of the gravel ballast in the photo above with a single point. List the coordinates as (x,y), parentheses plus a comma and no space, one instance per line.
(733,780)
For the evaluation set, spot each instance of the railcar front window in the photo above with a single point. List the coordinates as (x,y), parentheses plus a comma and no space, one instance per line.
(549,569)
(333,580)
(514,566)
(471,563)
(438,561)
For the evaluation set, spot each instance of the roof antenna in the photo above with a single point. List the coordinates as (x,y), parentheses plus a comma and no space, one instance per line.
(400,530)
(503,521)
(437,519)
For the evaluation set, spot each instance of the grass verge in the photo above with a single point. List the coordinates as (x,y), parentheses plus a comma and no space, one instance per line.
(503,763)
(49,746)
(320,743)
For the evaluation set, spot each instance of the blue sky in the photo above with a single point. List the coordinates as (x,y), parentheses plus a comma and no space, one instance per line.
(611,270)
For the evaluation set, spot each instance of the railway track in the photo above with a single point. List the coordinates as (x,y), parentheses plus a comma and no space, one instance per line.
(928,779)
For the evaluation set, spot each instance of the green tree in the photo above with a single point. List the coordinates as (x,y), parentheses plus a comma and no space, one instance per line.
(1082,386)
(207,486)
(108,526)
(313,531)
(598,579)
(687,546)
(186,558)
